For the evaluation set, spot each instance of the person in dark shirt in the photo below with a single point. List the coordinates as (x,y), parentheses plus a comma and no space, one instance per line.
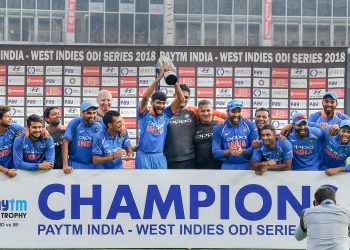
(203,137)
(52,117)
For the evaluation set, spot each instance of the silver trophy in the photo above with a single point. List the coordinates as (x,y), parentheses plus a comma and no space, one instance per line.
(169,75)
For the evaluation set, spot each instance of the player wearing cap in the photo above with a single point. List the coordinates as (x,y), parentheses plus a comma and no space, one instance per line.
(8,133)
(31,151)
(77,140)
(109,146)
(153,124)
(307,144)
(232,141)
(273,154)
(336,150)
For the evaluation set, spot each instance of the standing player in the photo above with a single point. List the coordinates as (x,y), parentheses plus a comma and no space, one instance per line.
(108,145)
(180,150)
(307,144)
(153,124)
(52,117)
(203,137)
(77,140)
(31,151)
(336,150)
(232,141)
(273,154)
(8,133)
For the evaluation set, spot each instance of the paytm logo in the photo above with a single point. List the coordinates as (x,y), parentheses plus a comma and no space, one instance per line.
(13,205)
(201,197)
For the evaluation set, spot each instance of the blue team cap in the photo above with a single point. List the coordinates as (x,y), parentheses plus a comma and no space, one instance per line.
(234,104)
(344,123)
(331,94)
(299,118)
(86,105)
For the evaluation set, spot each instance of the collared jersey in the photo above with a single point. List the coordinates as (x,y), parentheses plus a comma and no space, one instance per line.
(6,144)
(80,136)
(27,155)
(307,151)
(282,152)
(153,129)
(227,136)
(203,145)
(334,153)
(104,145)
(320,116)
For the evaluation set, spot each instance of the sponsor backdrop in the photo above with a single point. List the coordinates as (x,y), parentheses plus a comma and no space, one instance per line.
(286,80)
(158,209)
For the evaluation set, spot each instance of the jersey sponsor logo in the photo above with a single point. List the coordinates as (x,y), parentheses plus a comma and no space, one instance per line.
(176,122)
(334,154)
(204,136)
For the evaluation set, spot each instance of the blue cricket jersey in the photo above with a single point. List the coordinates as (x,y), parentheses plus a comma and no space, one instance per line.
(334,153)
(320,116)
(6,144)
(307,151)
(282,152)
(104,145)
(80,136)
(227,136)
(27,155)
(153,129)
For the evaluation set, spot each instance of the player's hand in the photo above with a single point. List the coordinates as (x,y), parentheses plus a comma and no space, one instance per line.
(237,150)
(332,171)
(286,130)
(119,154)
(334,129)
(45,134)
(271,163)
(11,173)
(45,165)
(67,169)
(261,171)
(282,137)
(256,144)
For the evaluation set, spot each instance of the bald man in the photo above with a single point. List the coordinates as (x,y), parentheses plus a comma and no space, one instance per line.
(104,100)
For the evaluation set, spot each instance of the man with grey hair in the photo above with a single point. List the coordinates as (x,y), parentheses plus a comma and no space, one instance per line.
(325,225)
